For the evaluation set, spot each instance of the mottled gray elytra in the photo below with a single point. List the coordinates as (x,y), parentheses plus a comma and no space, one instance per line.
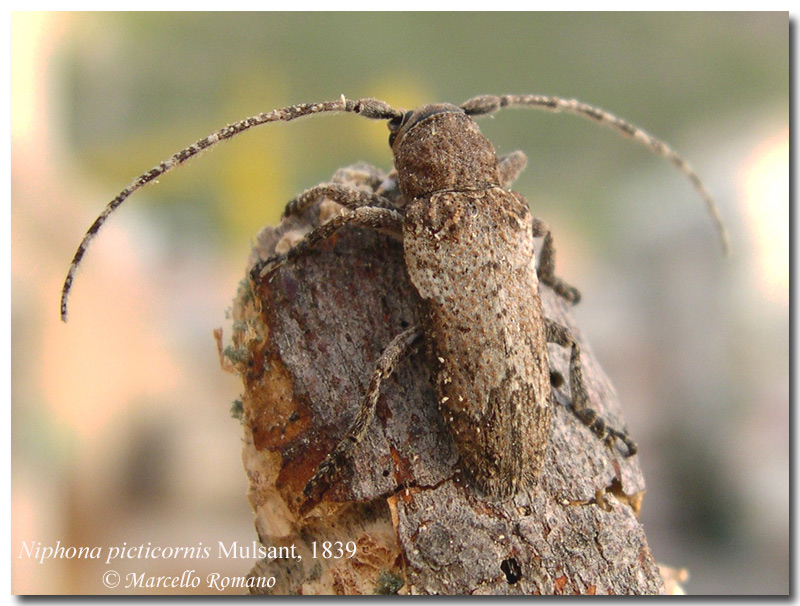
(469,250)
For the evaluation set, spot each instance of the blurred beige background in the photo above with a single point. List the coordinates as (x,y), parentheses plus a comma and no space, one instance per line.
(121,431)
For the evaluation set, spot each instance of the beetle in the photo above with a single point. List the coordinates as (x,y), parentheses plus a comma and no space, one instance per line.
(469,250)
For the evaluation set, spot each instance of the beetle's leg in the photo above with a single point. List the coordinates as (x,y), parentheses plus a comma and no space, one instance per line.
(511,167)
(348,197)
(332,464)
(547,264)
(560,335)
(380,219)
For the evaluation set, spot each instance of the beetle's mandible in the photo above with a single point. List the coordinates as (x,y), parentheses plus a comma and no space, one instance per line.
(468,243)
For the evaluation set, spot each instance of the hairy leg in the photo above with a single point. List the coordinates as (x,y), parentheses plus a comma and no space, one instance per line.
(560,335)
(547,264)
(332,464)
(380,219)
(344,195)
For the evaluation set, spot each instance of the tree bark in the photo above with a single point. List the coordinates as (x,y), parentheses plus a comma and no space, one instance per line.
(306,342)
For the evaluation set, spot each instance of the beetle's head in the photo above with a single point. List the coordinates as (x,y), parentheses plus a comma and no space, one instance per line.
(440,148)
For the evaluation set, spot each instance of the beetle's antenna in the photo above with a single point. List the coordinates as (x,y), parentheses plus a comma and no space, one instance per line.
(488,104)
(370,108)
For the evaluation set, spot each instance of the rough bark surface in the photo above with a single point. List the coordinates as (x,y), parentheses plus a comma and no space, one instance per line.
(306,342)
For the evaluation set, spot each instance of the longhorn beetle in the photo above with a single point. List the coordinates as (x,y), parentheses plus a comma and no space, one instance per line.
(469,251)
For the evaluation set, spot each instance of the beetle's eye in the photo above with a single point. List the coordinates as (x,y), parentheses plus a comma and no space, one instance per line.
(396,123)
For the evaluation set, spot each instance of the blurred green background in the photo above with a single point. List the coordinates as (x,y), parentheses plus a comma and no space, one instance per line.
(120,424)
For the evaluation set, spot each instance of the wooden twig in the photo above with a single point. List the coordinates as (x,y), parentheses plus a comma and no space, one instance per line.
(306,342)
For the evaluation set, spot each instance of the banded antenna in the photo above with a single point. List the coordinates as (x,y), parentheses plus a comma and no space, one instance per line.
(379,110)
